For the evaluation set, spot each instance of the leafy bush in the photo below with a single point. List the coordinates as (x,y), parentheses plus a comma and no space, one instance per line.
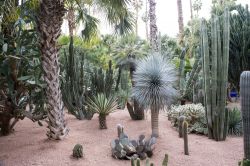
(235,122)
(194,114)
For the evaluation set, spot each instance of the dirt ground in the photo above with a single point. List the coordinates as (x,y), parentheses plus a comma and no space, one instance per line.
(29,146)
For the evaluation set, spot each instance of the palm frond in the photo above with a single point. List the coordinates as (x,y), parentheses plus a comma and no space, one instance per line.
(90,23)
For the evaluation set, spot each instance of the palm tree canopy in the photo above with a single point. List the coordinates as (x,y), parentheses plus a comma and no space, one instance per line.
(154,80)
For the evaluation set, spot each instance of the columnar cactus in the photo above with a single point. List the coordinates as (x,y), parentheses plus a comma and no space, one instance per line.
(181,119)
(245,107)
(185,137)
(215,74)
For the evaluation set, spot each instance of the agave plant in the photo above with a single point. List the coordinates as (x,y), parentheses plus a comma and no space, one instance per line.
(154,79)
(103,106)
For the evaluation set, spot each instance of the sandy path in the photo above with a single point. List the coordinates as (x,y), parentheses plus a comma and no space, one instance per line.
(29,146)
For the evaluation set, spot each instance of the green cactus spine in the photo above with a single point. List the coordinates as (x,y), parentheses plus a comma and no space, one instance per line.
(185,137)
(215,74)
(245,108)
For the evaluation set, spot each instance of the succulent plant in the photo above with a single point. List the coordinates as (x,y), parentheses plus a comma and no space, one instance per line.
(103,106)
(181,119)
(124,148)
(245,108)
(215,74)
(137,162)
(185,137)
(78,151)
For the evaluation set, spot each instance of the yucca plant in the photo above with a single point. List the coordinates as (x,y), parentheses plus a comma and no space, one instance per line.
(154,79)
(103,106)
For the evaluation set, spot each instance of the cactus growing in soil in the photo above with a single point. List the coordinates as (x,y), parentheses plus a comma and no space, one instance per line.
(215,74)
(185,137)
(181,119)
(245,107)
(78,151)
(136,162)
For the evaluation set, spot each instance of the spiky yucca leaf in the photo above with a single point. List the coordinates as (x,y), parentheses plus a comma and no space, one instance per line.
(102,105)
(154,80)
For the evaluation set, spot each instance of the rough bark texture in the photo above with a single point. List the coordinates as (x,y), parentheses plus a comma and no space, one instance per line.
(155,122)
(153,26)
(71,21)
(180,18)
(245,107)
(50,18)
(102,122)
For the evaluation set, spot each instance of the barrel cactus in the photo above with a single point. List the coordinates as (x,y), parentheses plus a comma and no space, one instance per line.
(245,107)
(78,151)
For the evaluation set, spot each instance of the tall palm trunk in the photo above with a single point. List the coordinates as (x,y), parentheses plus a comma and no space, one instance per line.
(50,18)
(155,121)
(191,9)
(153,26)
(71,21)
(180,18)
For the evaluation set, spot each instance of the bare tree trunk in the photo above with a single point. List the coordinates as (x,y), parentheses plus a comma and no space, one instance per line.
(71,21)
(50,18)
(153,26)
(155,122)
(180,19)
(191,9)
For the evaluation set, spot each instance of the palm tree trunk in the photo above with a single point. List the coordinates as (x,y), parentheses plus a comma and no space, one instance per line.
(153,26)
(180,19)
(155,121)
(191,9)
(50,18)
(102,122)
(71,21)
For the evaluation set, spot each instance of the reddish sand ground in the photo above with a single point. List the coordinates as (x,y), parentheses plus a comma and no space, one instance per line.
(28,145)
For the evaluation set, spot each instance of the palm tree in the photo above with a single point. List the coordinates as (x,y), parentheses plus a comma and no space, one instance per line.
(153,26)
(154,79)
(180,19)
(49,21)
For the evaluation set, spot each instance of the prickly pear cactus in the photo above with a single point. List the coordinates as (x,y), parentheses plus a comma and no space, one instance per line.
(124,148)
(78,151)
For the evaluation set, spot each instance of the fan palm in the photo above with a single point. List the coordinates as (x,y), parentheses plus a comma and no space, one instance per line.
(154,80)
(49,21)
(102,106)
(125,53)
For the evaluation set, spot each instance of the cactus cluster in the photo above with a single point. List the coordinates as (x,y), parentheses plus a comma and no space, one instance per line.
(215,54)
(245,108)
(78,151)
(137,162)
(103,81)
(124,148)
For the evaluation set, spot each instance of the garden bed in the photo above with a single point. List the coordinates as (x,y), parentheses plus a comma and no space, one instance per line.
(28,145)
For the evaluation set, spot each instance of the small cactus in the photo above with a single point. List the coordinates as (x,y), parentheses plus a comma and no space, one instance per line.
(165,160)
(119,130)
(185,137)
(78,151)
(181,119)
